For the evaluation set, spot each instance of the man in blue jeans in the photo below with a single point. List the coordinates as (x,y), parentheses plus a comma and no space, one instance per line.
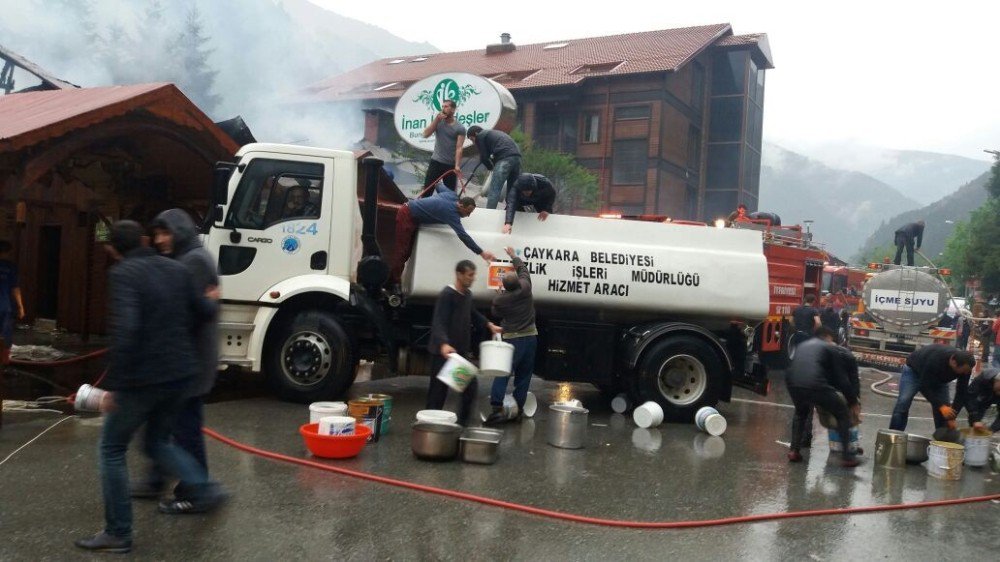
(498,152)
(516,307)
(928,371)
(154,311)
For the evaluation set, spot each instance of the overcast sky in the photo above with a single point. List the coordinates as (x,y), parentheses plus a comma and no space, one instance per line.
(909,75)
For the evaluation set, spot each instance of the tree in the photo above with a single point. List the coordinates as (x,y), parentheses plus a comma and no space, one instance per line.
(576,187)
(972,250)
(877,254)
(196,77)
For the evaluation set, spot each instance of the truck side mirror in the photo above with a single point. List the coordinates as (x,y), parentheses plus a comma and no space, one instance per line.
(220,182)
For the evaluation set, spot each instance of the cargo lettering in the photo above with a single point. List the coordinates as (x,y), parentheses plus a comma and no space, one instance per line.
(612,258)
(660,278)
(549,254)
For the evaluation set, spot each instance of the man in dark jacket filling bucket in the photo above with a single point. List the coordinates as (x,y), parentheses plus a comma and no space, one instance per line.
(154,308)
(176,236)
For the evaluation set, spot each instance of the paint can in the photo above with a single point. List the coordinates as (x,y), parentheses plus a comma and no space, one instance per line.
(319,410)
(386,409)
(709,420)
(90,399)
(368,412)
(977,447)
(944,460)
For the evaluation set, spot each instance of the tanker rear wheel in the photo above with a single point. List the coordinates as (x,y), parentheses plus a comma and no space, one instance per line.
(681,374)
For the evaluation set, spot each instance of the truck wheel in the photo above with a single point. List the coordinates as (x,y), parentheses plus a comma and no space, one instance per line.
(312,358)
(682,374)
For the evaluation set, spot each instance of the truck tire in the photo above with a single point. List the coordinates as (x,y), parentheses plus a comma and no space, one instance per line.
(310,358)
(682,374)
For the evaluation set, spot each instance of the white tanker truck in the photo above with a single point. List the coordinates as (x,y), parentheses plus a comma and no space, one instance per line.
(902,308)
(664,312)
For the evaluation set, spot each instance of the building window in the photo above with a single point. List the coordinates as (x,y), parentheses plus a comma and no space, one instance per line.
(729,72)
(694,150)
(723,167)
(630,159)
(727,119)
(632,112)
(591,128)
(697,87)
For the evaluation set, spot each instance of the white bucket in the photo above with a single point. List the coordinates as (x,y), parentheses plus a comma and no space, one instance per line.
(648,415)
(496,358)
(619,403)
(89,399)
(530,405)
(437,416)
(336,425)
(319,410)
(944,460)
(977,450)
(457,372)
(709,420)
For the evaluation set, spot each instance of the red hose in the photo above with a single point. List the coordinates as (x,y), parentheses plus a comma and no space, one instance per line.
(581,518)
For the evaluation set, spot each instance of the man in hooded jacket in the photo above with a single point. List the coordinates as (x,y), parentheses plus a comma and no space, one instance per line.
(176,236)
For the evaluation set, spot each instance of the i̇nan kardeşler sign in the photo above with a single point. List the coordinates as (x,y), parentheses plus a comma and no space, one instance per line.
(480,101)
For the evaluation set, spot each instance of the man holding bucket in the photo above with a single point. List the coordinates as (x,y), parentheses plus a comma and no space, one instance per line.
(516,307)
(451,333)
(928,371)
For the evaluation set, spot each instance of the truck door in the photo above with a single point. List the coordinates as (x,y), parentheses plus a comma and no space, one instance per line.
(275,225)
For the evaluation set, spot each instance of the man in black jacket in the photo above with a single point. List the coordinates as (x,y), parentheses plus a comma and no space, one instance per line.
(983,391)
(451,332)
(928,371)
(815,377)
(531,193)
(175,235)
(498,152)
(516,309)
(904,237)
(154,310)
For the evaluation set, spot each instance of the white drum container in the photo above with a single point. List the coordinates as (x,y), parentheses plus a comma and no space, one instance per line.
(709,420)
(620,403)
(496,358)
(977,449)
(648,415)
(336,425)
(457,372)
(318,410)
(437,416)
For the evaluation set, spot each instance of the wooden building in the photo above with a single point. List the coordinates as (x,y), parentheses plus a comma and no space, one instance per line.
(670,121)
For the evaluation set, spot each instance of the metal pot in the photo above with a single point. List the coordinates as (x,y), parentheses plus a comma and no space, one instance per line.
(435,441)
(890,448)
(567,426)
(916,448)
(480,445)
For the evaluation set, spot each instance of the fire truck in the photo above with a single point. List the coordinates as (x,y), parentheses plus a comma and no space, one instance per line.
(845,281)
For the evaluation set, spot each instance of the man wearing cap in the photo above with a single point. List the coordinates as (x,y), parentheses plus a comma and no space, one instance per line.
(532,193)
(928,371)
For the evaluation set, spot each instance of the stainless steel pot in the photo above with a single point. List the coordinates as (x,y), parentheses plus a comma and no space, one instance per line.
(916,448)
(567,426)
(435,441)
(890,448)
(480,445)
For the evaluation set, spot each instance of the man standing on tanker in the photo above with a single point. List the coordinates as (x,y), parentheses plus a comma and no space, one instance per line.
(905,237)
(499,153)
(448,140)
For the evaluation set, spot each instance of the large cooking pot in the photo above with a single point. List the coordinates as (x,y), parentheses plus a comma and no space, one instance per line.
(567,426)
(435,441)
(916,448)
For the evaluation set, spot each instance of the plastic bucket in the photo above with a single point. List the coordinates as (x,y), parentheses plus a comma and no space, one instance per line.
(496,358)
(619,403)
(648,415)
(457,372)
(944,460)
(89,399)
(386,409)
(709,420)
(319,410)
(854,439)
(530,405)
(368,412)
(977,448)
(437,416)
(336,425)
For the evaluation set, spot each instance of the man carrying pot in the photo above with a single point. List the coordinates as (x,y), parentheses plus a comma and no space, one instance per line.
(516,307)
(451,332)
(817,377)
(928,371)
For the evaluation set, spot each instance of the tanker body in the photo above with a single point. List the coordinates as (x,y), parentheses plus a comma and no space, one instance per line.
(662,312)
(902,308)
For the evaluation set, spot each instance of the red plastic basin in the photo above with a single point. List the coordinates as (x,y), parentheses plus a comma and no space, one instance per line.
(335,446)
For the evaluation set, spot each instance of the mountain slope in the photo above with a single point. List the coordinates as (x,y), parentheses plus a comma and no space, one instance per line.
(844,205)
(939,218)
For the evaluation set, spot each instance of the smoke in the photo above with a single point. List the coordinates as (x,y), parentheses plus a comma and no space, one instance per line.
(231,57)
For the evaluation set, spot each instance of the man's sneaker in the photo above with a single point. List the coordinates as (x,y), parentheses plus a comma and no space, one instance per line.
(851,462)
(183,506)
(496,418)
(146,490)
(794,456)
(103,542)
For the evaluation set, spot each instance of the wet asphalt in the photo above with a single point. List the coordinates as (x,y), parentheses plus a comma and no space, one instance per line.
(49,491)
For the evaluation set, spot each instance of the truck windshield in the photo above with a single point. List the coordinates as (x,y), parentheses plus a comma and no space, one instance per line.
(273,191)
